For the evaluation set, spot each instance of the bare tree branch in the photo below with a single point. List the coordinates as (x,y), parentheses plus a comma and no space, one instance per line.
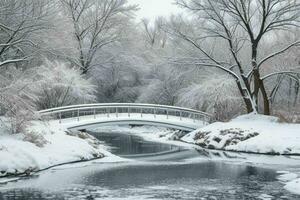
(278,52)
(278,73)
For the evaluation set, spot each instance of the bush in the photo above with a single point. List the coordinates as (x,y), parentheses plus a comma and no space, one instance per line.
(16,99)
(35,138)
(60,85)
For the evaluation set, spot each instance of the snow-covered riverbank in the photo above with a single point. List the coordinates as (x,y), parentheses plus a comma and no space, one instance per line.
(44,146)
(249,133)
(290,180)
(253,134)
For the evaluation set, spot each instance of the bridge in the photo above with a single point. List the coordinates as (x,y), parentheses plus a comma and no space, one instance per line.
(79,117)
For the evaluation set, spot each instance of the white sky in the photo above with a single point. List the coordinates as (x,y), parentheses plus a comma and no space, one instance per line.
(153,8)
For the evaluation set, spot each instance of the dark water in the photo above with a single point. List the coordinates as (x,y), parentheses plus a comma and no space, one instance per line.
(127,144)
(167,176)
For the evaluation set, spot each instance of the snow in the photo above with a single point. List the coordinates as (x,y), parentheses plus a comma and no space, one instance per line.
(265,197)
(44,146)
(287,177)
(291,181)
(293,186)
(249,133)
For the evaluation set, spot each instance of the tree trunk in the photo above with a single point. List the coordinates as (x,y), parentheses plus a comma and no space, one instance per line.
(256,78)
(258,83)
(265,97)
(260,87)
(246,98)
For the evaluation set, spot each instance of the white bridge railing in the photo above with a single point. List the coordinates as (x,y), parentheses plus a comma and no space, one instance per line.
(117,109)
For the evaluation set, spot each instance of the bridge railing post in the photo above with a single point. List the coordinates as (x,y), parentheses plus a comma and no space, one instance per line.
(78,114)
(180,115)
(94,113)
(117,114)
(154,112)
(128,110)
(107,111)
(60,117)
(167,114)
(141,110)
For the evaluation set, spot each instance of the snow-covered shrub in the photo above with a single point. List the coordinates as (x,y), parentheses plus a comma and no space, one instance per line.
(217,95)
(117,80)
(153,93)
(163,91)
(225,137)
(59,85)
(16,99)
(35,138)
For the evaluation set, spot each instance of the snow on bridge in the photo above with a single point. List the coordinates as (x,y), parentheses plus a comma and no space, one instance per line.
(84,116)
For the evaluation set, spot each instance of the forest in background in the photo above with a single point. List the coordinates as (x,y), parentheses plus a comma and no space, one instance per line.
(222,57)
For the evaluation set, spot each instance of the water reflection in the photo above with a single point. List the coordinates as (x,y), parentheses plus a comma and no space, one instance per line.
(127,144)
(208,180)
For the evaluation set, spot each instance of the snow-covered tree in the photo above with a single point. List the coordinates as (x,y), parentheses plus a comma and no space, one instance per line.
(96,25)
(216,95)
(242,25)
(57,84)
(155,36)
(21,23)
(163,87)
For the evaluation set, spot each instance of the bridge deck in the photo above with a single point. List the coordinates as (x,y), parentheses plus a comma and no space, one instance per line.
(89,115)
(91,121)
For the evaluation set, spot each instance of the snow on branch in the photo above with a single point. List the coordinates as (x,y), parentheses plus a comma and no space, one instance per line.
(13,61)
(279,73)
(216,66)
(278,52)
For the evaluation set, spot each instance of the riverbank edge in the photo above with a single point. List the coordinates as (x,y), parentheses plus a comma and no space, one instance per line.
(30,172)
(251,133)
(172,136)
(238,151)
(44,146)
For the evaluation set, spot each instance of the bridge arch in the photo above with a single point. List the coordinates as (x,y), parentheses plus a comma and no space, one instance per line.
(83,116)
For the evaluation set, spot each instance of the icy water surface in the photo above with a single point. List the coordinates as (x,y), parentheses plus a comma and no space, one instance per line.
(127,144)
(183,174)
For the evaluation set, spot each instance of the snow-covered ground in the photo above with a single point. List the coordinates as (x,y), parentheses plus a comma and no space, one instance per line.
(291,181)
(45,145)
(249,133)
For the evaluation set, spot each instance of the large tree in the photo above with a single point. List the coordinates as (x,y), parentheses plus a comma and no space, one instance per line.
(96,24)
(243,25)
(21,23)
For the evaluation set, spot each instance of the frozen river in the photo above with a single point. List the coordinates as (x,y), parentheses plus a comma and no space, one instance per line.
(156,171)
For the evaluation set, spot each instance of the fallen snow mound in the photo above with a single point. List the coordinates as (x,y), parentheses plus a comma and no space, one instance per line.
(293,186)
(291,181)
(249,133)
(43,146)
